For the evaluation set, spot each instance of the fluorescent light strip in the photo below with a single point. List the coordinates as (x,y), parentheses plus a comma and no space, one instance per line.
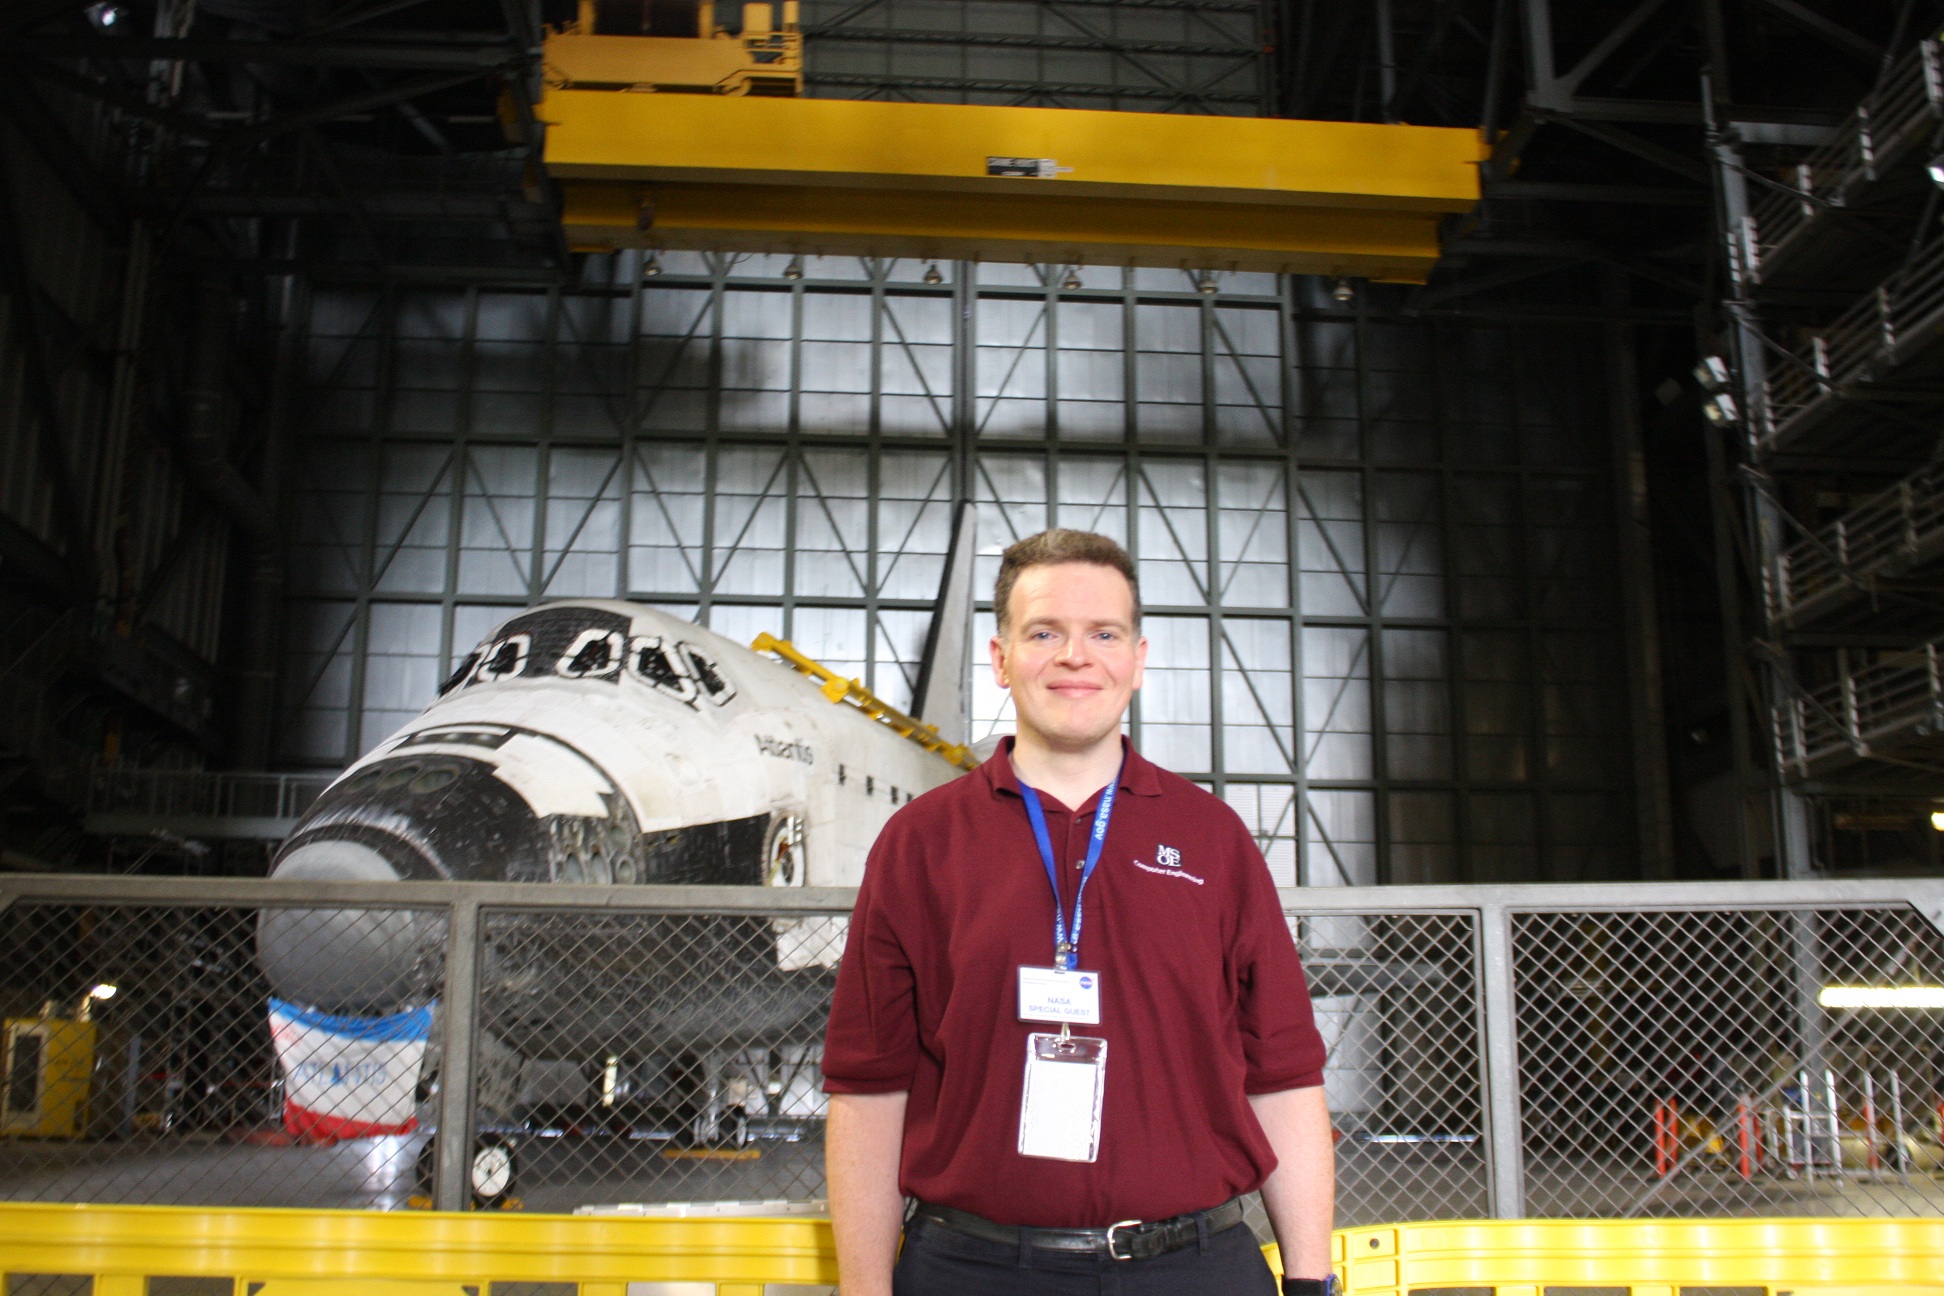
(1881,997)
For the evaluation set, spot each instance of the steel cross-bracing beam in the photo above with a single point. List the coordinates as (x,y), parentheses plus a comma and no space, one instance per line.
(1025,89)
(1835,33)
(396,55)
(1028,40)
(352,15)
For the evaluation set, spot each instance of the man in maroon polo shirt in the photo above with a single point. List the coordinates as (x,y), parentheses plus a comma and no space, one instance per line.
(1077,1037)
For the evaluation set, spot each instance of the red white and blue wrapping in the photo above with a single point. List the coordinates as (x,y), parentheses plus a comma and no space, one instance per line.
(348,1077)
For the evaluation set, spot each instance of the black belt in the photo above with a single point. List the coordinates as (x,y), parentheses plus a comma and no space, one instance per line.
(1127,1240)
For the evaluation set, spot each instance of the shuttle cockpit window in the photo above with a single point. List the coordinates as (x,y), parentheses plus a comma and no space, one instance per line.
(581,643)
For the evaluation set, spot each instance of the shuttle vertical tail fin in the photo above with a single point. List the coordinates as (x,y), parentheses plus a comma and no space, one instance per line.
(940,698)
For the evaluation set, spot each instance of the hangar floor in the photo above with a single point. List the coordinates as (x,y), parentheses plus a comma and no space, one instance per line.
(554,1175)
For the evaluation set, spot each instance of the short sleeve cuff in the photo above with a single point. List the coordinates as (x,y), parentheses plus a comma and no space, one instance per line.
(1270,1082)
(894,1084)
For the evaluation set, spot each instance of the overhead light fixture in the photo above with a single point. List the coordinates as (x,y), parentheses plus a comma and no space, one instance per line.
(932,276)
(1721,409)
(1343,292)
(1936,170)
(1072,281)
(1712,373)
(1881,997)
(1207,285)
(794,270)
(104,17)
(1937,820)
(651,267)
(104,992)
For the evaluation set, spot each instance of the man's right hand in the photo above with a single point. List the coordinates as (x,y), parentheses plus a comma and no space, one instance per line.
(863,1139)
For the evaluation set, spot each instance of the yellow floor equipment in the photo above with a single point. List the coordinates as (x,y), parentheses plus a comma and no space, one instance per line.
(376,1253)
(45,1066)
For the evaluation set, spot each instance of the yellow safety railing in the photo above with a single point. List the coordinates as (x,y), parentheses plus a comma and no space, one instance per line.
(1657,1257)
(275,1252)
(266,1252)
(838,689)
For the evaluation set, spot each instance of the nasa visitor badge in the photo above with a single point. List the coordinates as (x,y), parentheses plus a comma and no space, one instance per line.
(1050,995)
(1059,1110)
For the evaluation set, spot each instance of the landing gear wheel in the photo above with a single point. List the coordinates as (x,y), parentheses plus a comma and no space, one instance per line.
(493,1174)
(495,1171)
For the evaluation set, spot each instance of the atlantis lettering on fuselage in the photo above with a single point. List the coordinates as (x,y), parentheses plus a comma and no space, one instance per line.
(795,750)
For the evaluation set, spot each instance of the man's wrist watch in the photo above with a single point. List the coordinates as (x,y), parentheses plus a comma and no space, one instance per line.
(1312,1286)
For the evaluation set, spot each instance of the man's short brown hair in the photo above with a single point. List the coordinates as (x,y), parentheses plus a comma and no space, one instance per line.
(1060,545)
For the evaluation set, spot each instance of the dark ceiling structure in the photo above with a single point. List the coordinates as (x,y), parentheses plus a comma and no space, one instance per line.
(246,146)
(398,141)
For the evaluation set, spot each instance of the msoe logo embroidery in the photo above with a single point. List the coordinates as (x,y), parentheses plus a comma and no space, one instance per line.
(1167,862)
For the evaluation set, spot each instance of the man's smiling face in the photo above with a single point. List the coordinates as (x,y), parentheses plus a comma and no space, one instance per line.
(1071,655)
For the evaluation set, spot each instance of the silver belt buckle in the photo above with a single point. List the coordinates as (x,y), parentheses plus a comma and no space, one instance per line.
(1121,1224)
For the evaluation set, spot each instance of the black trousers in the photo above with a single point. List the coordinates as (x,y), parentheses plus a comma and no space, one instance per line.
(939,1262)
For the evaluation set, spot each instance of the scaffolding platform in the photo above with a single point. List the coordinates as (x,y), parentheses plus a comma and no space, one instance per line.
(1878,562)
(1800,232)
(1883,706)
(1878,356)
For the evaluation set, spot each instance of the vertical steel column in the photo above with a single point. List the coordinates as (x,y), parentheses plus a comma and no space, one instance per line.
(964,384)
(265,613)
(1752,368)
(1540,74)
(1386,62)
(1504,1137)
(1766,521)
(1807,973)
(1295,357)
(451,1181)
(1653,819)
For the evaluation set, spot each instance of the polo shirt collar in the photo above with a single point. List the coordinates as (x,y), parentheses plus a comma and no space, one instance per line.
(1137,775)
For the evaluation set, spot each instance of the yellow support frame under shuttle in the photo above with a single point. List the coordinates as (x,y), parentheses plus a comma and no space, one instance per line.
(838,689)
(826,176)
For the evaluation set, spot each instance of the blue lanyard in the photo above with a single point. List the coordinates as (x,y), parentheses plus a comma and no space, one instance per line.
(1065,952)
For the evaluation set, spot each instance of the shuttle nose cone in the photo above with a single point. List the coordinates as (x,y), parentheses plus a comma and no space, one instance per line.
(351,960)
(335,861)
(347,960)
(459,802)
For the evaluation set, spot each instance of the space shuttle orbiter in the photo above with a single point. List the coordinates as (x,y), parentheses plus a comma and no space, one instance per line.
(610,743)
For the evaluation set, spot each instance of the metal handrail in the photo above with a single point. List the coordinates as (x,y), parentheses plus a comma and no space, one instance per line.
(1871,540)
(1897,116)
(1880,331)
(116,789)
(1897,695)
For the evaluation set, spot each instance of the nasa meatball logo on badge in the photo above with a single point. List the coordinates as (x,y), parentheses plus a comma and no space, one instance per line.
(1050,995)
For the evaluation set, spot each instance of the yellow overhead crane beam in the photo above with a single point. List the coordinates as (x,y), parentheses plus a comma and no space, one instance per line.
(737,172)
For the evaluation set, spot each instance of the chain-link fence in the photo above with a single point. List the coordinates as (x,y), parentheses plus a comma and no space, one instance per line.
(1547,1051)
(1396,998)
(151,1054)
(1699,1063)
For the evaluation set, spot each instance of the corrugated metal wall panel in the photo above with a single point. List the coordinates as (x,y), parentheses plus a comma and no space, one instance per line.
(95,287)
(1374,552)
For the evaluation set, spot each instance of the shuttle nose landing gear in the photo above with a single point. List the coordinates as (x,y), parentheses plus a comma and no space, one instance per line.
(493,1173)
